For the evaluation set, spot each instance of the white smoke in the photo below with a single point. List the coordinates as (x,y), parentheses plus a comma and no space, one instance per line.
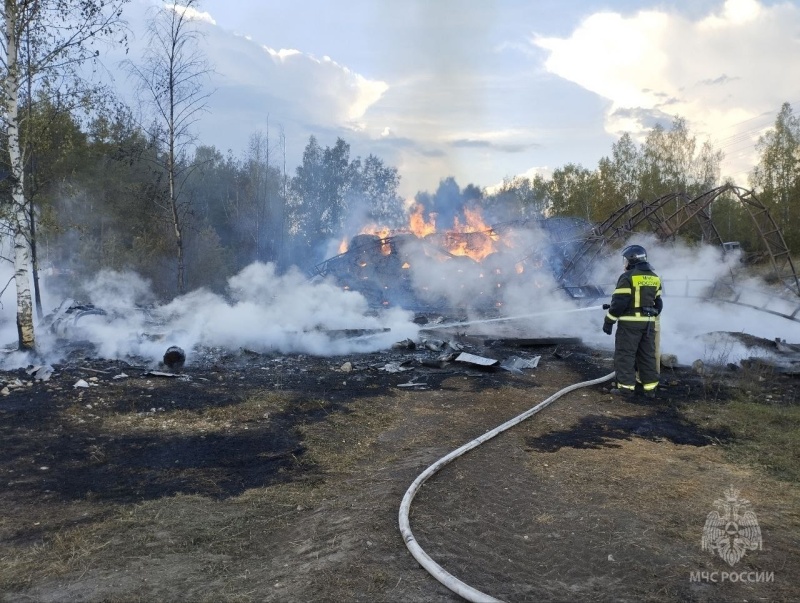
(690,324)
(284,313)
(264,312)
(513,280)
(687,274)
(8,303)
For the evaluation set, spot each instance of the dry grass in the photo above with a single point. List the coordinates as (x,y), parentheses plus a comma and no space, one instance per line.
(257,407)
(765,435)
(763,420)
(71,550)
(332,534)
(339,444)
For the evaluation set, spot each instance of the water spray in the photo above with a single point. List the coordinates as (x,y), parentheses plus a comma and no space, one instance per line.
(507,318)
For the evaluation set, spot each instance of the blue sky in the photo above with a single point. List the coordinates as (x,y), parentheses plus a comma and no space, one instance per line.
(487,89)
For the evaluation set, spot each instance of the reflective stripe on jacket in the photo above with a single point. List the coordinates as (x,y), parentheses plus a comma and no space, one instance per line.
(637,297)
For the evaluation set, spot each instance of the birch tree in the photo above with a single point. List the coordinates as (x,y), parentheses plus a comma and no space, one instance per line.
(777,175)
(42,46)
(172,77)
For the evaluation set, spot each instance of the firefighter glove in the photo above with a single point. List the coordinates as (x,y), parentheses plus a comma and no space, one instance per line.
(607,326)
(606,306)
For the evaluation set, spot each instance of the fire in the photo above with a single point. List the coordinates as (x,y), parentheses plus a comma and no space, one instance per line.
(476,245)
(470,236)
(474,221)
(474,238)
(417,223)
(388,265)
(383,232)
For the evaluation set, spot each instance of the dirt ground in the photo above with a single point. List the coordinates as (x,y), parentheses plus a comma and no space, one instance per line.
(252,477)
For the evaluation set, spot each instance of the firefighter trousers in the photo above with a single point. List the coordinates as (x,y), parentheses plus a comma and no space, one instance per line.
(635,352)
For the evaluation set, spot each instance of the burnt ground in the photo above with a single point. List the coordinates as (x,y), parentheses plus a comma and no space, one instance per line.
(250,477)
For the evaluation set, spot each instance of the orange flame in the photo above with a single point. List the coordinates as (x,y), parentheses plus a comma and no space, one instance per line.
(417,223)
(480,241)
(381,231)
(471,237)
(474,221)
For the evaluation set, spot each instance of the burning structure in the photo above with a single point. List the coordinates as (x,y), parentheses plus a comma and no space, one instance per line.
(507,277)
(473,266)
(470,266)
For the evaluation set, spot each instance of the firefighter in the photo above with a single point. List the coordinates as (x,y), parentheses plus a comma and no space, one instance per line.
(635,306)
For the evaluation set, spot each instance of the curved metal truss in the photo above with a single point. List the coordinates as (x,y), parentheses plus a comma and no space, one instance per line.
(746,297)
(667,215)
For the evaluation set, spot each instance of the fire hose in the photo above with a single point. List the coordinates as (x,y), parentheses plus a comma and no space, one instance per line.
(434,569)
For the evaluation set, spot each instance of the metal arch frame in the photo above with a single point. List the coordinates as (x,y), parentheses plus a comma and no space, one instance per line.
(624,220)
(727,293)
(771,235)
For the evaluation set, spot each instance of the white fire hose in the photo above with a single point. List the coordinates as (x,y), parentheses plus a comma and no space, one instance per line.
(433,568)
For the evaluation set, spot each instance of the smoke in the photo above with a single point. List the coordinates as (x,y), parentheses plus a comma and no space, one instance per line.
(692,326)
(518,279)
(284,313)
(8,300)
(263,312)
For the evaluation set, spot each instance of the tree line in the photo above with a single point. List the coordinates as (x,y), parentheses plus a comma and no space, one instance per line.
(101,200)
(100,193)
(86,186)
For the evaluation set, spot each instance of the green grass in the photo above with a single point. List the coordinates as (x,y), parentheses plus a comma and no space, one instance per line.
(765,435)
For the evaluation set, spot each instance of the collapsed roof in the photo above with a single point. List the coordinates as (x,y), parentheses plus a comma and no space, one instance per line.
(397,269)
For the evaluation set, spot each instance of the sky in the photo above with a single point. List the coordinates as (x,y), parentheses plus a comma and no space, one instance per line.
(478,90)
(483,90)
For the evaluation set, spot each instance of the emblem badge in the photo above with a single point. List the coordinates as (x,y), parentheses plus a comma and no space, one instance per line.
(735,531)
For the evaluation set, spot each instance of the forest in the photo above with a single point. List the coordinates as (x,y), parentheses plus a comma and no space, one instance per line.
(87,185)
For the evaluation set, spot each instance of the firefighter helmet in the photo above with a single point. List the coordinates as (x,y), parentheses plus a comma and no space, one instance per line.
(634,254)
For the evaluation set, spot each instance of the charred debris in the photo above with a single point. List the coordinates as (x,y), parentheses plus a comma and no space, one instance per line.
(411,364)
(425,274)
(436,350)
(404,270)
(419,363)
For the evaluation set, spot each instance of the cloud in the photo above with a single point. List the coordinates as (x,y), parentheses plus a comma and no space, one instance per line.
(723,79)
(639,117)
(256,86)
(410,115)
(745,49)
(297,87)
(480,144)
(191,13)
(433,153)
(489,145)
(734,12)
(419,85)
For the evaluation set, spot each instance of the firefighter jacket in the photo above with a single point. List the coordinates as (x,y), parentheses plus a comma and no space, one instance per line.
(637,297)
